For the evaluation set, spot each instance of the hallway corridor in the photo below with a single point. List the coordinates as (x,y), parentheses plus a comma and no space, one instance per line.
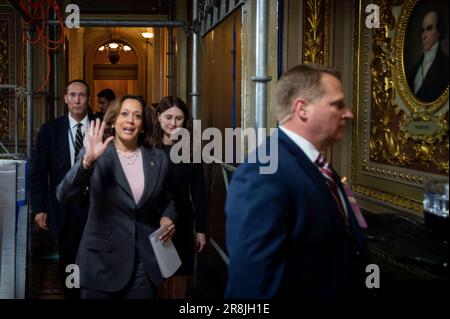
(344,81)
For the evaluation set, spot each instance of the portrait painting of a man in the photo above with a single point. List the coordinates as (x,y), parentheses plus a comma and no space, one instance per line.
(427,75)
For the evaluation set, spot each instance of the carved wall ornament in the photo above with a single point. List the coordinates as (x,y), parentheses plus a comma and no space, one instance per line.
(9,72)
(4,78)
(405,131)
(316,17)
(399,141)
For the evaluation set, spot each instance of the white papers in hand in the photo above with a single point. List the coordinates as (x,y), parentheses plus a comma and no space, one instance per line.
(166,254)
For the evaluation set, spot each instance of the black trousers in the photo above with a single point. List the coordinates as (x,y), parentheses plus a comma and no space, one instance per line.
(139,287)
(68,243)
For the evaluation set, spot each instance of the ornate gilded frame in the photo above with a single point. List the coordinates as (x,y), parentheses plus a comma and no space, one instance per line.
(391,155)
(411,101)
(316,17)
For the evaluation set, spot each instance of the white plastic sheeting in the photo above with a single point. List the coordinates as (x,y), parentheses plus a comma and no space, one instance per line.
(13,229)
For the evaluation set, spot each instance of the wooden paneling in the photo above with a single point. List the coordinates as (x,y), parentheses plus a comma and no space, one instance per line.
(120,87)
(115,71)
(216,69)
(215,106)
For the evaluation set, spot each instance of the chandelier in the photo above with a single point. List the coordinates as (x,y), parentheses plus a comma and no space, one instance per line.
(113,49)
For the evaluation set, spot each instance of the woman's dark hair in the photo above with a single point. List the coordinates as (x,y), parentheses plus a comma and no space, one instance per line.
(113,112)
(165,104)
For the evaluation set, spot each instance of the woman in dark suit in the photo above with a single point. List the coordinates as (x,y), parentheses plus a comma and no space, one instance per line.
(129,201)
(188,188)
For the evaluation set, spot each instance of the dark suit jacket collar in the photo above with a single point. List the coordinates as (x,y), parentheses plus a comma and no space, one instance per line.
(314,173)
(151,168)
(316,176)
(65,117)
(62,127)
(304,160)
(309,167)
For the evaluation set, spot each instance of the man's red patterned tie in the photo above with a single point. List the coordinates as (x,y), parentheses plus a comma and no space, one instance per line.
(327,172)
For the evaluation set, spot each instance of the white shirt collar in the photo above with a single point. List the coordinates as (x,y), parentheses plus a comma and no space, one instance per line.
(73,122)
(305,145)
(429,55)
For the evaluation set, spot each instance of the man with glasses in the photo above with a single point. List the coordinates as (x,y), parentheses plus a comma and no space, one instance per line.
(58,144)
(293,233)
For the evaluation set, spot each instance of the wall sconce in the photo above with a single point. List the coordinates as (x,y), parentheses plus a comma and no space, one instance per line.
(147,36)
(113,49)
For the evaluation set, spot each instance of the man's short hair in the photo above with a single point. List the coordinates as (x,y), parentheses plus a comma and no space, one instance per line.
(79,81)
(107,94)
(303,80)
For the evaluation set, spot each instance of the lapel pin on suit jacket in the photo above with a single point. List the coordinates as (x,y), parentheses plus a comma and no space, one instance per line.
(356,209)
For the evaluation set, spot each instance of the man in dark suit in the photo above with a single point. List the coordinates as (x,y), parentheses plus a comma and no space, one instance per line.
(293,234)
(427,79)
(104,98)
(58,143)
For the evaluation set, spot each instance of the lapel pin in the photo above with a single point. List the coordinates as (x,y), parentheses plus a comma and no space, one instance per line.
(151,163)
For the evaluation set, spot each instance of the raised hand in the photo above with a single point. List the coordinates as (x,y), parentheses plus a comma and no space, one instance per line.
(95,146)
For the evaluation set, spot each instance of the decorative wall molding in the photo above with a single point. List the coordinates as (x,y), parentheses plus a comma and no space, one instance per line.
(316,26)
(8,70)
(389,161)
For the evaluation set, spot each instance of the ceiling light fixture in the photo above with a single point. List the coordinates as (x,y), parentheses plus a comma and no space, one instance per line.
(113,49)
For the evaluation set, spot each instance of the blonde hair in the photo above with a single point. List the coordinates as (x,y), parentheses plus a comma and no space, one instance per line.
(303,80)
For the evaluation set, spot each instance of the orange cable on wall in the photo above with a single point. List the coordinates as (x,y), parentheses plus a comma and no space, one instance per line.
(37,12)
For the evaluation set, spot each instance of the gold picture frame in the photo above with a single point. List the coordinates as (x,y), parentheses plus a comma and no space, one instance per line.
(408,32)
(398,141)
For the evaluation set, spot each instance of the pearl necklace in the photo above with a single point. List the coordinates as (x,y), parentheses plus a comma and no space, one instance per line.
(128,158)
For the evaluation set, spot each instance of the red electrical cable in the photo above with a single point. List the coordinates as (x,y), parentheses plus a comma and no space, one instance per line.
(37,12)
(48,74)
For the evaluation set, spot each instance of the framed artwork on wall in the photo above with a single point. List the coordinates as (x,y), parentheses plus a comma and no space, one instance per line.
(401,137)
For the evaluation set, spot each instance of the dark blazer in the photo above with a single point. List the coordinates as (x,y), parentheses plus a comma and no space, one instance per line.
(117,227)
(284,235)
(51,161)
(187,184)
(436,80)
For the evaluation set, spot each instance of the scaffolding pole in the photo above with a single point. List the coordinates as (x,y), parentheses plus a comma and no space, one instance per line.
(170,53)
(29,77)
(194,91)
(261,77)
(123,23)
(55,72)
